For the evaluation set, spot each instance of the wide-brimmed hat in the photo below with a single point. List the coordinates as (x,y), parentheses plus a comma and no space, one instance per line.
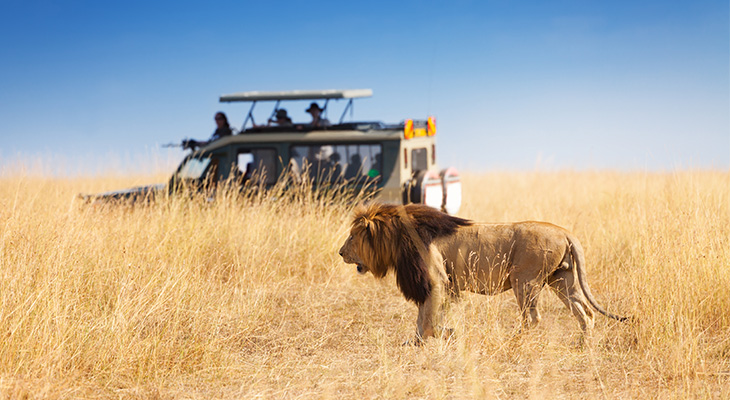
(281,113)
(312,107)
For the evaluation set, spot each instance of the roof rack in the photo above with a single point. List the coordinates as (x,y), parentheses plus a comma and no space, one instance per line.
(255,96)
(296,95)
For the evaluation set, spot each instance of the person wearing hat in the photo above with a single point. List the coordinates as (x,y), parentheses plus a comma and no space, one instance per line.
(316,113)
(281,118)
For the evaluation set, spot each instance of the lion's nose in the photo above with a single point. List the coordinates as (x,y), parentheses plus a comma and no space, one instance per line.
(341,255)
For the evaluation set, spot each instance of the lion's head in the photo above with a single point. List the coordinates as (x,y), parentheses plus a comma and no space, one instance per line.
(370,245)
(387,237)
(349,252)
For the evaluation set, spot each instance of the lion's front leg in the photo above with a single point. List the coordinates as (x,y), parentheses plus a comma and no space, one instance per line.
(430,311)
(426,323)
(427,318)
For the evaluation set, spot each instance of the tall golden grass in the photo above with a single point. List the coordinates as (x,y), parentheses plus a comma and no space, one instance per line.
(247,297)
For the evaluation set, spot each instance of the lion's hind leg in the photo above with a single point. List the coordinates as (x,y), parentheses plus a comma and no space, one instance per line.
(528,295)
(566,285)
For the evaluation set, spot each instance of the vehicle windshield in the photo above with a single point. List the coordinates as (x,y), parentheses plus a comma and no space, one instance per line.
(193,168)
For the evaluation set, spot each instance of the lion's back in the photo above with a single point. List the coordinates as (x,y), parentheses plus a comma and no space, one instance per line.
(483,241)
(495,242)
(540,233)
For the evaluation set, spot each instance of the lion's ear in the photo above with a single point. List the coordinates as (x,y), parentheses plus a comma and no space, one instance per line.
(370,227)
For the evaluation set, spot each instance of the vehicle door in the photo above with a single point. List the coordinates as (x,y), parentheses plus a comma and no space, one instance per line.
(256,165)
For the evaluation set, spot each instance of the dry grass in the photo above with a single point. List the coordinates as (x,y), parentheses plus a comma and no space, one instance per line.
(247,299)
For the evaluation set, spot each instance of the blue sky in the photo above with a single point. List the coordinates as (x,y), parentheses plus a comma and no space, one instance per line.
(514,85)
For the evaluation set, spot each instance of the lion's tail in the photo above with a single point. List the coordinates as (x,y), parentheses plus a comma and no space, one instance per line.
(579,262)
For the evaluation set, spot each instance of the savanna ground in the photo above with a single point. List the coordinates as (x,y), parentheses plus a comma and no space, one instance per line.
(249,298)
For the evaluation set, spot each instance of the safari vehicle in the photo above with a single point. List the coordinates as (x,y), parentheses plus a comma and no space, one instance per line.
(395,161)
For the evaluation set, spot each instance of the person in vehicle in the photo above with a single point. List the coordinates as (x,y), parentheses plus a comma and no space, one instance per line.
(375,168)
(336,173)
(223,129)
(281,118)
(354,167)
(249,171)
(316,113)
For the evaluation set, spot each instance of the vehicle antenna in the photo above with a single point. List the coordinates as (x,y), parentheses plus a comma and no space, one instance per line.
(430,82)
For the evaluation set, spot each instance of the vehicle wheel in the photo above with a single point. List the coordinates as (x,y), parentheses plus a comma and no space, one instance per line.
(424,187)
(451,182)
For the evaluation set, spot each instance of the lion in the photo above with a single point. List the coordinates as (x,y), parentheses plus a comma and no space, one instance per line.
(434,255)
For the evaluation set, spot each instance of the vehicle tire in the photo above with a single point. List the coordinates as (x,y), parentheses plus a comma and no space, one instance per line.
(424,187)
(451,182)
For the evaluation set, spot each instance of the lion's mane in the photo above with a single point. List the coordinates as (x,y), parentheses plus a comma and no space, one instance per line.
(392,237)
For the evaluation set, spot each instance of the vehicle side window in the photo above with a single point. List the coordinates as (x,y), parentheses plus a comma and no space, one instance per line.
(260,163)
(419,159)
(337,162)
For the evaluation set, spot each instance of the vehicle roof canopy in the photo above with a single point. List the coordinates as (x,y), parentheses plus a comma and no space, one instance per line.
(296,95)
